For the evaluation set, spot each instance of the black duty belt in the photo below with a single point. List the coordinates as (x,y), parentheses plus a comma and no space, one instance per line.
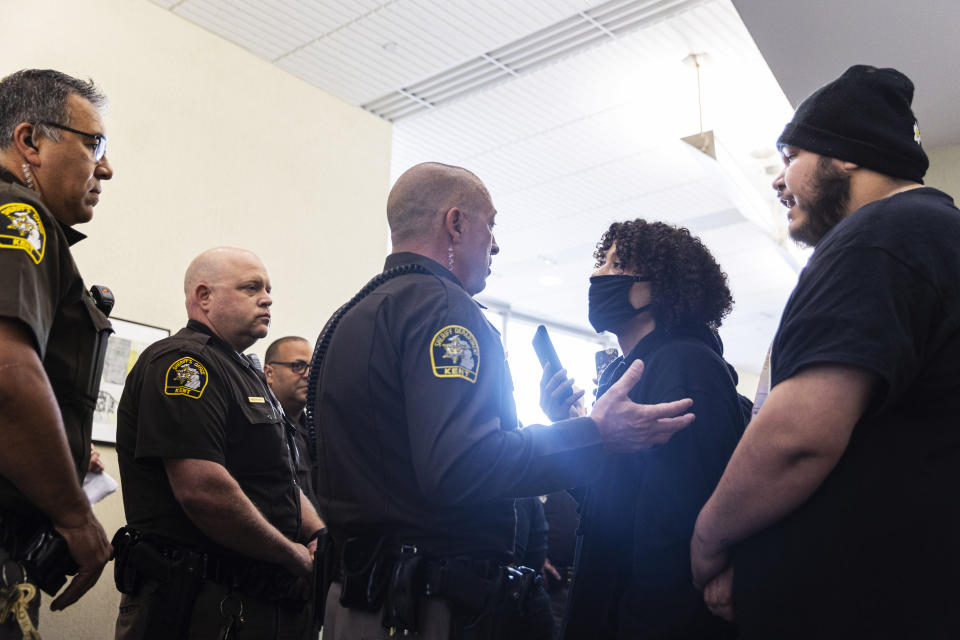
(375,574)
(137,555)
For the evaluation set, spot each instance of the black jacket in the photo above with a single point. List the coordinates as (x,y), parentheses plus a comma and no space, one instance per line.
(633,577)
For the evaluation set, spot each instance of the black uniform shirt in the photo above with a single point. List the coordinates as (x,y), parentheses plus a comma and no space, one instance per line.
(193,396)
(41,287)
(873,552)
(304,466)
(418,427)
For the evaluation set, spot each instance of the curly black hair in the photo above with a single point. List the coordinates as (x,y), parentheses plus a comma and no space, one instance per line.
(687,286)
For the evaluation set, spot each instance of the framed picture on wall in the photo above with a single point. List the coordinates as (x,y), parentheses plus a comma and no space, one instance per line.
(123,348)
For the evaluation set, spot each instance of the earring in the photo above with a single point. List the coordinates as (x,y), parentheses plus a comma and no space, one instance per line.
(28,177)
(450,257)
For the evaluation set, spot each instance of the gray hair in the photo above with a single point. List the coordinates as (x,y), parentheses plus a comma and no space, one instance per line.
(38,95)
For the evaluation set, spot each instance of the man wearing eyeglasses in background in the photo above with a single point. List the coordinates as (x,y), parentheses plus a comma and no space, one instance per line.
(52,334)
(287,366)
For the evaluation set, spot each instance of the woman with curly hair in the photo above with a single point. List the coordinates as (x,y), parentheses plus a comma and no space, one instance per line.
(658,289)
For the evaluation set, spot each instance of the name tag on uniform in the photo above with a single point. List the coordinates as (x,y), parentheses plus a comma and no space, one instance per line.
(256,399)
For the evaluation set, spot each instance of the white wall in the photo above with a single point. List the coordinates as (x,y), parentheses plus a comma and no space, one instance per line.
(211,146)
(747,382)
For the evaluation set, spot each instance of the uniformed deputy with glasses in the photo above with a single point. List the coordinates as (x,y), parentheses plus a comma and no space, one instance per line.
(286,368)
(52,164)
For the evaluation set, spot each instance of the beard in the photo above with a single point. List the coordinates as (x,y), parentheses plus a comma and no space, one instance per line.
(830,197)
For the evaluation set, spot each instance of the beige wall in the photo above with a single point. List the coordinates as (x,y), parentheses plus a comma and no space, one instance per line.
(94,616)
(211,146)
(747,383)
(944,172)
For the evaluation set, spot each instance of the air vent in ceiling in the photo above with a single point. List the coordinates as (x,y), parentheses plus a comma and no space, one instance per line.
(603,22)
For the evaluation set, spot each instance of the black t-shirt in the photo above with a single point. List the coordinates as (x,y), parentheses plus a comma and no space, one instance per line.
(873,552)
(192,396)
(418,432)
(41,287)
(633,576)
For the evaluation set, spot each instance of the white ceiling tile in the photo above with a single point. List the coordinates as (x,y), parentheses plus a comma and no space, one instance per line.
(248,26)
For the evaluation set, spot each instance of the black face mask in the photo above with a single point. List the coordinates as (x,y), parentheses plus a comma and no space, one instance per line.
(609,301)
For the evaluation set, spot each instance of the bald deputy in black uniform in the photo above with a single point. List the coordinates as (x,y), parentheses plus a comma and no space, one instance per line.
(52,334)
(218,541)
(420,454)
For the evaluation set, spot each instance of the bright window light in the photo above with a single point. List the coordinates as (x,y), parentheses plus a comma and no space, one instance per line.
(576,354)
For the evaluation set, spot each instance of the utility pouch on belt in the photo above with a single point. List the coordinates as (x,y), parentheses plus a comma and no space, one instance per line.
(366,572)
(458,583)
(519,584)
(178,573)
(135,559)
(406,587)
(48,560)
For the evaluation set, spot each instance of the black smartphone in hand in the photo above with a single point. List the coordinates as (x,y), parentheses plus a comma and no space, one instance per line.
(545,350)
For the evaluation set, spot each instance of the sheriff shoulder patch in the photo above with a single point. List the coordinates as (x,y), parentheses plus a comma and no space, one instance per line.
(454,353)
(21,228)
(186,377)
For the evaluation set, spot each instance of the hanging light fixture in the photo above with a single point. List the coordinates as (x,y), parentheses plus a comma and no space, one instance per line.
(703,141)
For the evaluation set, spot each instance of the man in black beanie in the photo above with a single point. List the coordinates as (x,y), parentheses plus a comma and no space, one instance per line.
(837,516)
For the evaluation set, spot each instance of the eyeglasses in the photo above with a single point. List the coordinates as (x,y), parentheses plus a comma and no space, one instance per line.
(299,367)
(99,149)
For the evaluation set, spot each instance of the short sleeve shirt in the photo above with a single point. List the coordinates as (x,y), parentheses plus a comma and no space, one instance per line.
(41,287)
(882,293)
(193,396)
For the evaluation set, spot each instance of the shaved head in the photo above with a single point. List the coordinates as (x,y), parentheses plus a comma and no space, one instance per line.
(228,289)
(211,266)
(424,193)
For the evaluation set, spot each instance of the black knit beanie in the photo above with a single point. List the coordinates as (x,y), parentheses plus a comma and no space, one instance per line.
(863,117)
